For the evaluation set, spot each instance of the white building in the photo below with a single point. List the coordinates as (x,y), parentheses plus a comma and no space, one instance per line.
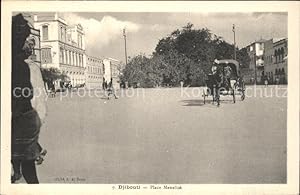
(62,46)
(276,69)
(94,72)
(256,53)
(112,71)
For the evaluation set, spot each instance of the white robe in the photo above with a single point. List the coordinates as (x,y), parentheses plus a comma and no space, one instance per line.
(39,92)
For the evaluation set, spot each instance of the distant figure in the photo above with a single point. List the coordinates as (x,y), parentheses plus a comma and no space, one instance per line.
(104,84)
(277,80)
(214,69)
(52,89)
(111,90)
(266,82)
(227,76)
(181,84)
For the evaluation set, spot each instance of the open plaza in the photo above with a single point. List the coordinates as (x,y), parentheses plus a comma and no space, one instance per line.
(165,135)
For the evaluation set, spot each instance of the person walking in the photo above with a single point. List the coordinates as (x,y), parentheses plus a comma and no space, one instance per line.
(26,122)
(103,84)
(266,81)
(111,90)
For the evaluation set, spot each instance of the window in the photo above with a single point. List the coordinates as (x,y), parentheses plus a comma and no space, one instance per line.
(45,32)
(60,55)
(46,55)
(282,54)
(70,60)
(79,60)
(66,56)
(261,46)
(76,60)
(61,33)
(79,41)
(65,35)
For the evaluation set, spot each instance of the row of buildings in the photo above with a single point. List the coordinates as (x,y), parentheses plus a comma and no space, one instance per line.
(268,61)
(62,46)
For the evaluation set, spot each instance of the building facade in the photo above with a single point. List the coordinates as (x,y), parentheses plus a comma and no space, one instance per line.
(276,52)
(256,53)
(94,72)
(62,46)
(112,71)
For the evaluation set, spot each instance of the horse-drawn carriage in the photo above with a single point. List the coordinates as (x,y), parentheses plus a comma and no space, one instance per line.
(224,79)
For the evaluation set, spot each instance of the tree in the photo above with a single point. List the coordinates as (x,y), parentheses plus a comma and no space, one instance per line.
(53,74)
(135,71)
(243,57)
(184,55)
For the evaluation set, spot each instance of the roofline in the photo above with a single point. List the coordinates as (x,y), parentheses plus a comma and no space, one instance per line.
(88,56)
(281,40)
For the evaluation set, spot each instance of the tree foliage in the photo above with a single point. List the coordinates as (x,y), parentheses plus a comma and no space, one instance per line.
(184,55)
(53,74)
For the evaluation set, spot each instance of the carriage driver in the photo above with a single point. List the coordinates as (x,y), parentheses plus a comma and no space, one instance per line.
(227,74)
(214,67)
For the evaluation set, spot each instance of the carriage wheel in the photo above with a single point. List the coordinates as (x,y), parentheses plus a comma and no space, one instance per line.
(218,99)
(204,96)
(216,96)
(243,95)
(233,95)
(243,92)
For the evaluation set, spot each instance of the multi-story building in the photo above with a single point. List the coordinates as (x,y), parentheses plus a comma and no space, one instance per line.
(256,53)
(112,70)
(276,51)
(62,46)
(94,72)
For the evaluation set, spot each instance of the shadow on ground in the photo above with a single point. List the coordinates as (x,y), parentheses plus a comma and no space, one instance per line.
(195,102)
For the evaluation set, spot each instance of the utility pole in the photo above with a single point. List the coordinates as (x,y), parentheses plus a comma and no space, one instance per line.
(234,49)
(124,34)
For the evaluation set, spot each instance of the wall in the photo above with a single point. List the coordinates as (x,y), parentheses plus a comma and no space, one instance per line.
(94,72)
(107,69)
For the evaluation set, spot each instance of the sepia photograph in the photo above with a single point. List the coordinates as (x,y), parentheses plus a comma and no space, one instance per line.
(149,100)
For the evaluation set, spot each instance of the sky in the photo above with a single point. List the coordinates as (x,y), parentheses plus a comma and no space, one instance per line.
(104,31)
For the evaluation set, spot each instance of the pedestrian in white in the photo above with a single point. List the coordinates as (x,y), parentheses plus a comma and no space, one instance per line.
(111,90)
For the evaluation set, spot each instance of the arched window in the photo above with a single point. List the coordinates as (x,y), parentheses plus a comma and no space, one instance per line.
(61,55)
(45,32)
(76,60)
(70,60)
(282,54)
(80,60)
(61,33)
